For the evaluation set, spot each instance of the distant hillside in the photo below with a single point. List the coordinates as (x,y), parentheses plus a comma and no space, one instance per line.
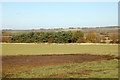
(111,27)
(101,30)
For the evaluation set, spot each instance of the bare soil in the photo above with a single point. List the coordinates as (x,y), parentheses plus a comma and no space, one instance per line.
(42,60)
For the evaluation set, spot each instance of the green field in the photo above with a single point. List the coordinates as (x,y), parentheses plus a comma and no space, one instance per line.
(38,49)
(94,69)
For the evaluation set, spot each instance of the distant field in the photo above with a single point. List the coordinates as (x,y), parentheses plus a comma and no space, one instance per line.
(41,49)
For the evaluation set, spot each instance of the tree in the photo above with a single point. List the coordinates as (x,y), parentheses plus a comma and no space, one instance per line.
(50,40)
(114,37)
(76,35)
(81,40)
(35,38)
(98,38)
(91,36)
(103,39)
(68,36)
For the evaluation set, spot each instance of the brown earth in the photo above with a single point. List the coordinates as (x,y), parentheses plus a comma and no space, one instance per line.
(41,60)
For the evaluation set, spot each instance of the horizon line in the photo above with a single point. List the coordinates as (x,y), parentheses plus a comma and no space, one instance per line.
(58,28)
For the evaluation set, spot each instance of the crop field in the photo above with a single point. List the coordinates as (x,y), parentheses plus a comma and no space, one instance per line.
(41,49)
(59,61)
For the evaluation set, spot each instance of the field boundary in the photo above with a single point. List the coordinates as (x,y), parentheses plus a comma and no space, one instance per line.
(66,43)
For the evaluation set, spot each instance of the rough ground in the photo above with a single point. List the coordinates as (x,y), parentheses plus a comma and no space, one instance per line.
(42,60)
(13,62)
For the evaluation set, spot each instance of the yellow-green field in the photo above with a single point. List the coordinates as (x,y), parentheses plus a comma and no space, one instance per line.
(38,49)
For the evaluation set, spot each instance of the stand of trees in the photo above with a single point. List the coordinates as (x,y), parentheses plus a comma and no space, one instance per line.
(60,37)
(43,37)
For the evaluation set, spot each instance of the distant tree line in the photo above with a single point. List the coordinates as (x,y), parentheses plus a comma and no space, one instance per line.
(61,37)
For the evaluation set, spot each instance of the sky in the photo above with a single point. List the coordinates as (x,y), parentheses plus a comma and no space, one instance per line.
(49,15)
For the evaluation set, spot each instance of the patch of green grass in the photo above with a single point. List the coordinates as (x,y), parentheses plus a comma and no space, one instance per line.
(95,69)
(38,49)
